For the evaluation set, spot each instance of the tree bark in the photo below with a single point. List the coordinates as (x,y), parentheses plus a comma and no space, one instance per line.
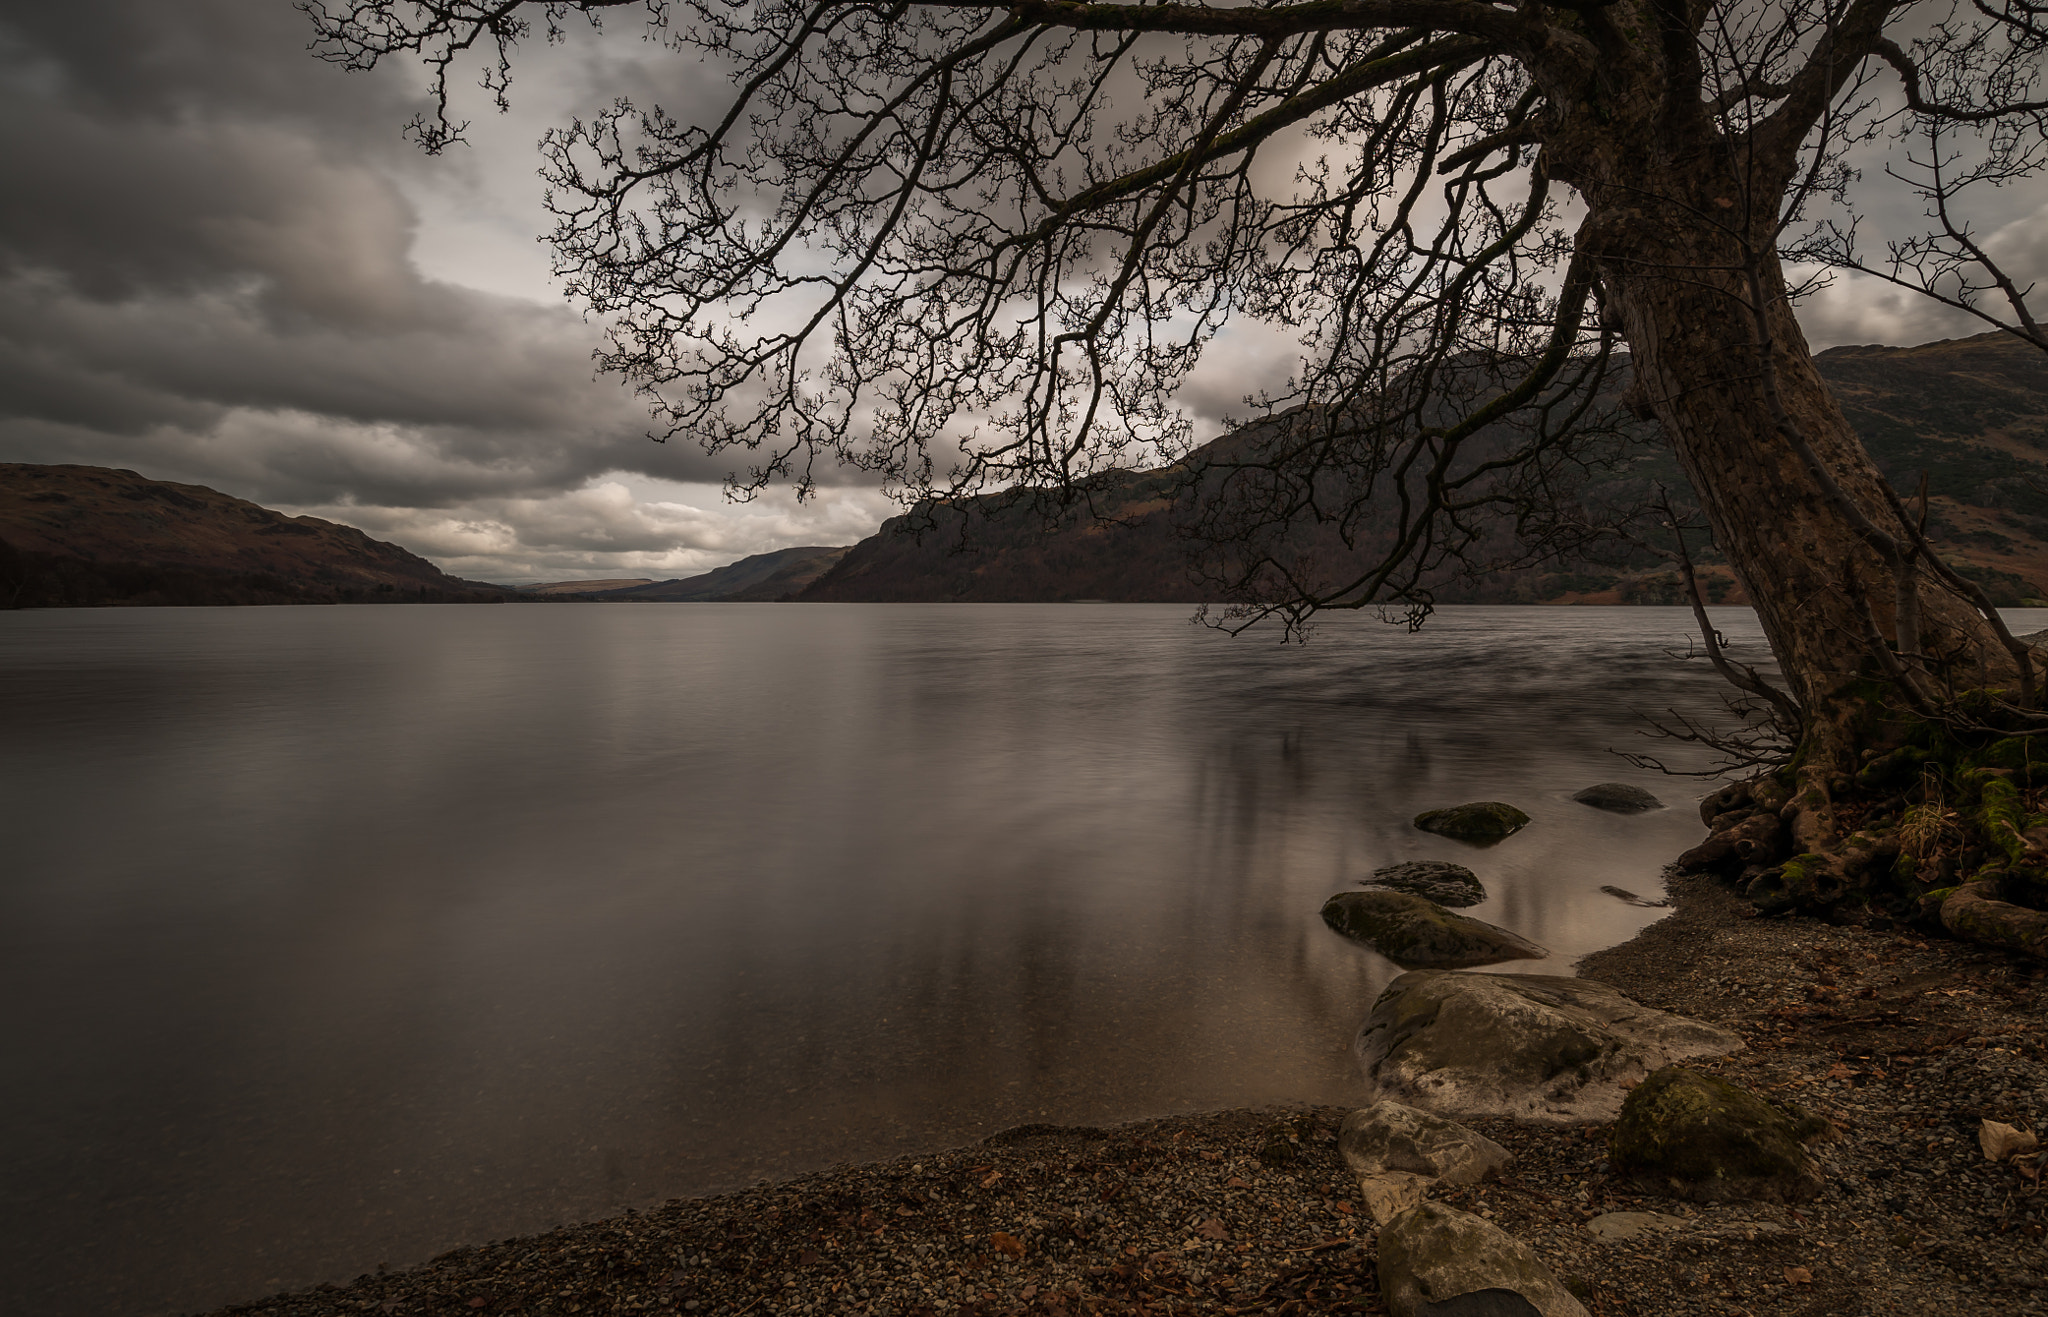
(1735,389)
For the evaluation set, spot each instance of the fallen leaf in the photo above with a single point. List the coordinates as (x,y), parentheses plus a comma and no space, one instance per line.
(1008,1245)
(1343,1209)
(1213,1228)
(1798,1276)
(2000,1140)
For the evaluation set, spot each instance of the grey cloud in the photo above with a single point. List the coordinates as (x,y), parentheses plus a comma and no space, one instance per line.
(206,273)
(135,60)
(609,528)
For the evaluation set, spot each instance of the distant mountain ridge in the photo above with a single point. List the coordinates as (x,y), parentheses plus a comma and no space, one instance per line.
(87,535)
(759,578)
(1971,412)
(582,587)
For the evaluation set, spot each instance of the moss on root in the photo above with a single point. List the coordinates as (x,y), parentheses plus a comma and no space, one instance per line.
(1935,809)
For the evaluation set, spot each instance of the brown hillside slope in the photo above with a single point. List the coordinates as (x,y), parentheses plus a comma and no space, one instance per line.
(1972,413)
(758,578)
(87,535)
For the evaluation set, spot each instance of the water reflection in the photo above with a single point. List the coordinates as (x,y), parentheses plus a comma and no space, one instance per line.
(333,937)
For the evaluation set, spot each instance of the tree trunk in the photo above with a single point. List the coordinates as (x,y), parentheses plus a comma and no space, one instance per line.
(1791,496)
(1826,597)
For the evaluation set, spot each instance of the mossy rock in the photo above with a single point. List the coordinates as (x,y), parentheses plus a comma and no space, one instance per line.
(1700,1137)
(1440,881)
(1414,932)
(1483,822)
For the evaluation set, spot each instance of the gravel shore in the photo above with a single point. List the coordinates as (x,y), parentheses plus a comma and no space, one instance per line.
(1905,1043)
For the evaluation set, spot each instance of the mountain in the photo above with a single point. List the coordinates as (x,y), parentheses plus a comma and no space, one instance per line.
(87,535)
(583,587)
(762,577)
(1972,413)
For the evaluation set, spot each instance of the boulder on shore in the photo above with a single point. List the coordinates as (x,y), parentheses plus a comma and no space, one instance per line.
(1698,1136)
(1411,931)
(1440,881)
(1618,797)
(1483,822)
(1436,1261)
(1388,1136)
(1539,1048)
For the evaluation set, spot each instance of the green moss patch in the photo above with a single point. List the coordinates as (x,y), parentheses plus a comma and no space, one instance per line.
(1697,1136)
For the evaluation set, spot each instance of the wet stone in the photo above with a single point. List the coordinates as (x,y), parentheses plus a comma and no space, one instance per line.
(1413,932)
(1618,797)
(1482,822)
(1440,881)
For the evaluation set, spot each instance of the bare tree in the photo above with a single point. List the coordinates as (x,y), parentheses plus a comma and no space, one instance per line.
(967,245)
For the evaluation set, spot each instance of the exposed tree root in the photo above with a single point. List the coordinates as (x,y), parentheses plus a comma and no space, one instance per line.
(1974,912)
(1946,827)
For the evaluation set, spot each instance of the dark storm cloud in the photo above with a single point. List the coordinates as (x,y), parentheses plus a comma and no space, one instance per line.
(207,273)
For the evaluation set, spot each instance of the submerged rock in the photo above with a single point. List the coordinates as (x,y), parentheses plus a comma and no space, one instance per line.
(1623,894)
(1618,797)
(1433,880)
(1482,822)
(1698,1136)
(1412,931)
(1436,1261)
(1532,1047)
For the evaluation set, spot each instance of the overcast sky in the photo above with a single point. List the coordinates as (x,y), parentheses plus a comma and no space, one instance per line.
(220,263)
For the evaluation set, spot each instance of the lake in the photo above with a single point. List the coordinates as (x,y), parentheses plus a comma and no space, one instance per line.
(337,937)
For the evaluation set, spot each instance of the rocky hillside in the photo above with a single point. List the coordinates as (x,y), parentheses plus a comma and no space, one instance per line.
(87,535)
(1972,413)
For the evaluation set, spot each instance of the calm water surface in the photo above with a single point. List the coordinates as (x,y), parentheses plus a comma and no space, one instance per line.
(333,937)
